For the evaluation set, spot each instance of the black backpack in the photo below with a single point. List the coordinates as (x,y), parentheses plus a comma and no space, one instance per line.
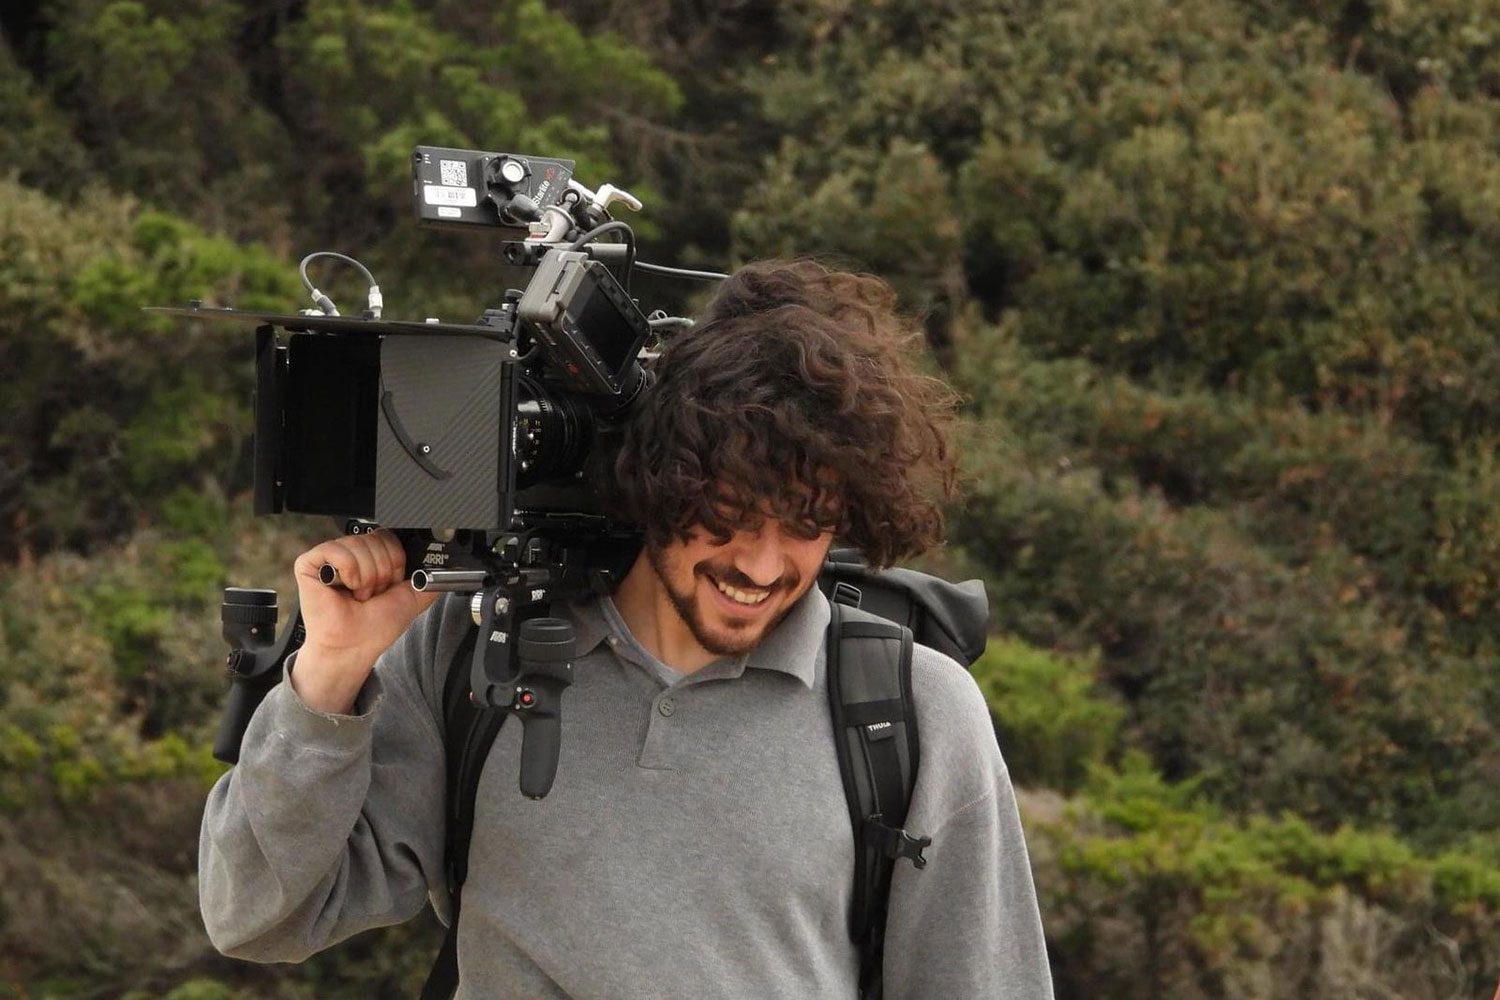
(876,617)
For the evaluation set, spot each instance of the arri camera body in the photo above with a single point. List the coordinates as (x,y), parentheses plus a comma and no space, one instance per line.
(478,444)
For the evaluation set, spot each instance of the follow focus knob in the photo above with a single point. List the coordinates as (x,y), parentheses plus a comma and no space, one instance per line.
(248,615)
(545,640)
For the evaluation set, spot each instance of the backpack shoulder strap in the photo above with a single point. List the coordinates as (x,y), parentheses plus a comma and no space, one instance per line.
(875,732)
(468,733)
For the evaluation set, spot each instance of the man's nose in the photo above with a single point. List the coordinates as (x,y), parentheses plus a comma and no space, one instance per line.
(760,557)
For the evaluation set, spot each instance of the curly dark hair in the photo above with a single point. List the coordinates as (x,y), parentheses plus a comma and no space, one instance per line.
(799,396)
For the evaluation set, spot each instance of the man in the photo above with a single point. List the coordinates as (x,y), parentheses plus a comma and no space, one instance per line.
(697,841)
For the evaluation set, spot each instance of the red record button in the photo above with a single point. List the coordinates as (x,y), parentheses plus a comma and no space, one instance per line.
(525,698)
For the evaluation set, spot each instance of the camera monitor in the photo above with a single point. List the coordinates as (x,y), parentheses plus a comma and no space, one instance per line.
(467,187)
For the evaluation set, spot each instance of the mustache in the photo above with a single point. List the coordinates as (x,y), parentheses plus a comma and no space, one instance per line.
(733,577)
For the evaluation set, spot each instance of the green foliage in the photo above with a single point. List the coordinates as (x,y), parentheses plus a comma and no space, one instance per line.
(110,667)
(1051,723)
(1440,44)
(860,212)
(178,426)
(1288,599)
(372,81)
(1150,891)
(93,690)
(1136,798)
(295,126)
(35,138)
(1293,477)
(1168,189)
(427,84)
(1286,685)
(202,989)
(194,514)
(110,689)
(1466,561)
(159,96)
(116,407)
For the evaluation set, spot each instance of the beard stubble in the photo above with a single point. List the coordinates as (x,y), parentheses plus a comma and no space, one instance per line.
(687,606)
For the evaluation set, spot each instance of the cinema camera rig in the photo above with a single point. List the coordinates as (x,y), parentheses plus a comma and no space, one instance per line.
(478,444)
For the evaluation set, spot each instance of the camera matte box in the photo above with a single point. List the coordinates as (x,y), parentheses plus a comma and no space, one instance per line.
(443,455)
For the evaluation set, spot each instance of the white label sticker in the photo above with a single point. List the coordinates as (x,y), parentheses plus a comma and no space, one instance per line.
(435,194)
(448,212)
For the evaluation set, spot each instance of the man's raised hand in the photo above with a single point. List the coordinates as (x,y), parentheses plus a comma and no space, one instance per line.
(350,623)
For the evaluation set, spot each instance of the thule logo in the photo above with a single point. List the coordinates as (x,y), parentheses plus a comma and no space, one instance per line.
(876,727)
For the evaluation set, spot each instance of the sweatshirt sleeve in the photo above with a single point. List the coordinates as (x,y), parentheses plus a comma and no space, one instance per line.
(967,925)
(330,824)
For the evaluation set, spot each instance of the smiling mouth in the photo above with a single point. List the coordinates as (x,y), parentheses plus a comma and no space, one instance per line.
(748,598)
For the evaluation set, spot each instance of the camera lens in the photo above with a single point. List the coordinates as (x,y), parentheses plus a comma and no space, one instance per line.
(633,381)
(553,431)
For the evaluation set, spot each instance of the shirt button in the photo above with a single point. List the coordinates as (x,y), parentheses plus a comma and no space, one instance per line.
(614,640)
(667,706)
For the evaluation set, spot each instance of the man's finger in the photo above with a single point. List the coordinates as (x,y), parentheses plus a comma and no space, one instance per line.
(329,559)
(398,554)
(369,579)
(380,554)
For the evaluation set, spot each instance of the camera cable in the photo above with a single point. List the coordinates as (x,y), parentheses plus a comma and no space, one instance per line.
(614,225)
(374,301)
(681,272)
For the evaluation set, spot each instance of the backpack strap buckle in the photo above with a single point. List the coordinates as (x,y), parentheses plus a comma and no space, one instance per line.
(895,843)
(847,594)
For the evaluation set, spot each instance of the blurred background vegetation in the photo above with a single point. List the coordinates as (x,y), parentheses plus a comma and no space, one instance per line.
(1218,277)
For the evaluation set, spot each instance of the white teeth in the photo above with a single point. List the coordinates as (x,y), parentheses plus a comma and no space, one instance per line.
(739,595)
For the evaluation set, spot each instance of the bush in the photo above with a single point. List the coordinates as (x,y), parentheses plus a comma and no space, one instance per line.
(1051,723)
(1285,685)
(114,409)
(1190,194)
(1146,891)
(110,693)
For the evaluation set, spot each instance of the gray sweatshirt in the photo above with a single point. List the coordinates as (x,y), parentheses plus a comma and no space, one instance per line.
(696,842)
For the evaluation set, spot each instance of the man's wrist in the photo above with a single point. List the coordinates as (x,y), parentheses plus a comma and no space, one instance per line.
(329,680)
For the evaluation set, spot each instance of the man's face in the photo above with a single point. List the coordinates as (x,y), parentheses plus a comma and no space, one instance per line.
(732,595)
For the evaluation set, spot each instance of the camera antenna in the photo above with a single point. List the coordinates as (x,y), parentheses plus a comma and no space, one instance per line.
(374,302)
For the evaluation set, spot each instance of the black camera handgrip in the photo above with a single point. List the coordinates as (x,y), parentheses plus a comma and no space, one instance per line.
(541,739)
(545,654)
(244,698)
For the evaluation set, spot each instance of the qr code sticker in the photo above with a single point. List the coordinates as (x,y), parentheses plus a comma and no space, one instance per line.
(455,173)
